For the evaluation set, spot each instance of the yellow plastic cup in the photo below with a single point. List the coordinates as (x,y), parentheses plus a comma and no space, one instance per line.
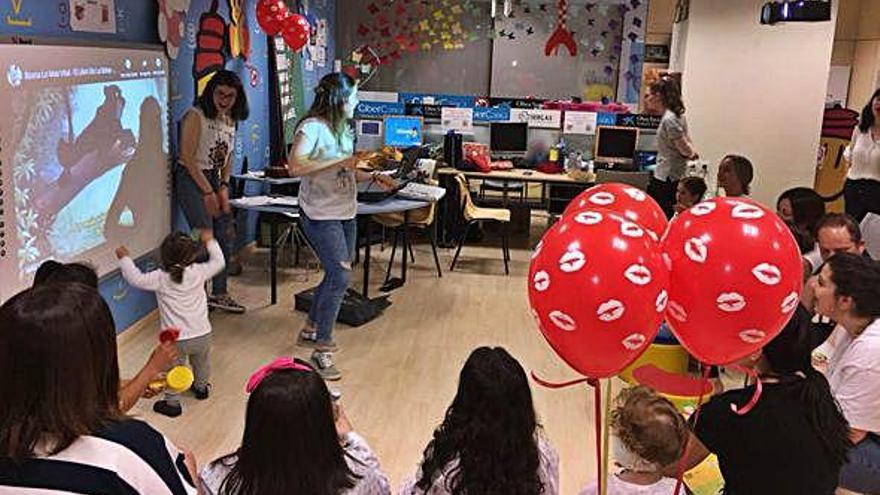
(180,378)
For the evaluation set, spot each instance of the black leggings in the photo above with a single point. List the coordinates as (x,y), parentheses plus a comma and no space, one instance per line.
(663,191)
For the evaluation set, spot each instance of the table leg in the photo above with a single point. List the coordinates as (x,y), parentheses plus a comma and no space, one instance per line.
(273,259)
(405,251)
(369,237)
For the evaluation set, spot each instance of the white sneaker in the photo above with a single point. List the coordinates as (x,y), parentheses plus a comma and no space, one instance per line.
(323,363)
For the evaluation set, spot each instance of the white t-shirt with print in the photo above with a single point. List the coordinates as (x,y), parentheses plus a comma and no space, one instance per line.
(854,376)
(331,193)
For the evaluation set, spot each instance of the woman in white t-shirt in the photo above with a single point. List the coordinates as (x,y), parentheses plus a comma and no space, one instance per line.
(322,156)
(862,189)
(848,292)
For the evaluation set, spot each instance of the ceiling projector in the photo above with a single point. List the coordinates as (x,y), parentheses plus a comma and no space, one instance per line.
(796,11)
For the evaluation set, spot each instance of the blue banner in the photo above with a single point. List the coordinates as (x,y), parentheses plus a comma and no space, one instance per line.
(379,109)
(491,114)
(606,119)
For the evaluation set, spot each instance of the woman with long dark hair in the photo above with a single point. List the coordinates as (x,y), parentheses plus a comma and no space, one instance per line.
(490,441)
(207,139)
(794,441)
(295,441)
(61,428)
(674,146)
(848,292)
(861,191)
(322,156)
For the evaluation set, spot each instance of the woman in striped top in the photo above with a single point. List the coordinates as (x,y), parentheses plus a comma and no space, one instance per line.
(61,429)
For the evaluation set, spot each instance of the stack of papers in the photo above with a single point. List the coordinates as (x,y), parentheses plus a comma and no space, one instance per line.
(266,201)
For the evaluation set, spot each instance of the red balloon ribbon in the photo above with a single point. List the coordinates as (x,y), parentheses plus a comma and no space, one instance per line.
(687,446)
(759,389)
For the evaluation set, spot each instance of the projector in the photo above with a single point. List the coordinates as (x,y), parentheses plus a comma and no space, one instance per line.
(796,11)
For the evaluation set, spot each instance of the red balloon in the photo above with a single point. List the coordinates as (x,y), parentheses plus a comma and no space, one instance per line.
(296,32)
(626,200)
(271,15)
(597,289)
(735,278)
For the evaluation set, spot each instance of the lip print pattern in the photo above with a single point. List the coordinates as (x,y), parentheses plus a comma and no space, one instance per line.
(653,235)
(730,302)
(610,310)
(630,229)
(746,211)
(790,302)
(752,336)
(767,274)
(701,209)
(541,281)
(603,198)
(661,301)
(589,218)
(562,321)
(572,261)
(638,274)
(634,341)
(695,249)
(636,194)
(677,312)
(537,251)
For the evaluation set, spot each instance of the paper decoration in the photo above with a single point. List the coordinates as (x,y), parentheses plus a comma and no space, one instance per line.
(460,120)
(580,123)
(94,16)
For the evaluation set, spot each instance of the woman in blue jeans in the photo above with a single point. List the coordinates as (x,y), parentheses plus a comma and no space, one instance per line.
(207,138)
(322,156)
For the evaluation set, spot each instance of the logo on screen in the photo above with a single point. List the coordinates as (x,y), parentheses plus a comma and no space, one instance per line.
(14,75)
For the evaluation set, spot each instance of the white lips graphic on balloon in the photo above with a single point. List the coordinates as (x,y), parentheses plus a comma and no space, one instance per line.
(630,229)
(572,261)
(746,211)
(696,250)
(752,336)
(636,194)
(653,235)
(730,302)
(767,274)
(638,274)
(701,209)
(602,198)
(538,249)
(541,281)
(790,302)
(588,218)
(610,310)
(562,321)
(676,311)
(634,341)
(661,301)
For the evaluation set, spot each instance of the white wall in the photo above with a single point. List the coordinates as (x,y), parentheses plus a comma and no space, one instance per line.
(756,90)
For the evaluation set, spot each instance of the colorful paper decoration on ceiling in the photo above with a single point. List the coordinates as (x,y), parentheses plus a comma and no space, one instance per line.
(407,26)
(172,17)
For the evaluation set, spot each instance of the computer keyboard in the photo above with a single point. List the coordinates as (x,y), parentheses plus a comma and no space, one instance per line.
(421,192)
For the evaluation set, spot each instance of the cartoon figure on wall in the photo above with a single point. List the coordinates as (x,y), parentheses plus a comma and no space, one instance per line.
(211,50)
(837,130)
(172,16)
(239,36)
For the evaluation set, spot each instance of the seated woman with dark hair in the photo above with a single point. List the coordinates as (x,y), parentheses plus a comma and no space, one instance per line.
(130,390)
(794,440)
(848,292)
(735,174)
(803,208)
(61,429)
(490,440)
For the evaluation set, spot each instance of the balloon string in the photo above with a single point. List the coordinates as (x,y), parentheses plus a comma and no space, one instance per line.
(597,400)
(679,476)
(555,385)
(606,436)
(759,389)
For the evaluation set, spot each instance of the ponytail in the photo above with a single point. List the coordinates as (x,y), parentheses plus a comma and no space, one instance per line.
(824,416)
(175,271)
(178,251)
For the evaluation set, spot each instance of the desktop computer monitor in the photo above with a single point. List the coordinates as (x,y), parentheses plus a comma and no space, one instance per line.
(403,131)
(616,146)
(509,138)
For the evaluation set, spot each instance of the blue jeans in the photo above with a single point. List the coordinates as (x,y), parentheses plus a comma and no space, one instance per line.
(191,200)
(862,472)
(334,242)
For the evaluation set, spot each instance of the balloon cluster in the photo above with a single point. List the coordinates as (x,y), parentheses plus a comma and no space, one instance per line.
(274,18)
(725,275)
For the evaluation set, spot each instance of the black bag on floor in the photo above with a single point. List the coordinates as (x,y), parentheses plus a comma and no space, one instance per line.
(356,310)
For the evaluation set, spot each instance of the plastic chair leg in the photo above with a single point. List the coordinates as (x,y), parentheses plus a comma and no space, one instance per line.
(461,240)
